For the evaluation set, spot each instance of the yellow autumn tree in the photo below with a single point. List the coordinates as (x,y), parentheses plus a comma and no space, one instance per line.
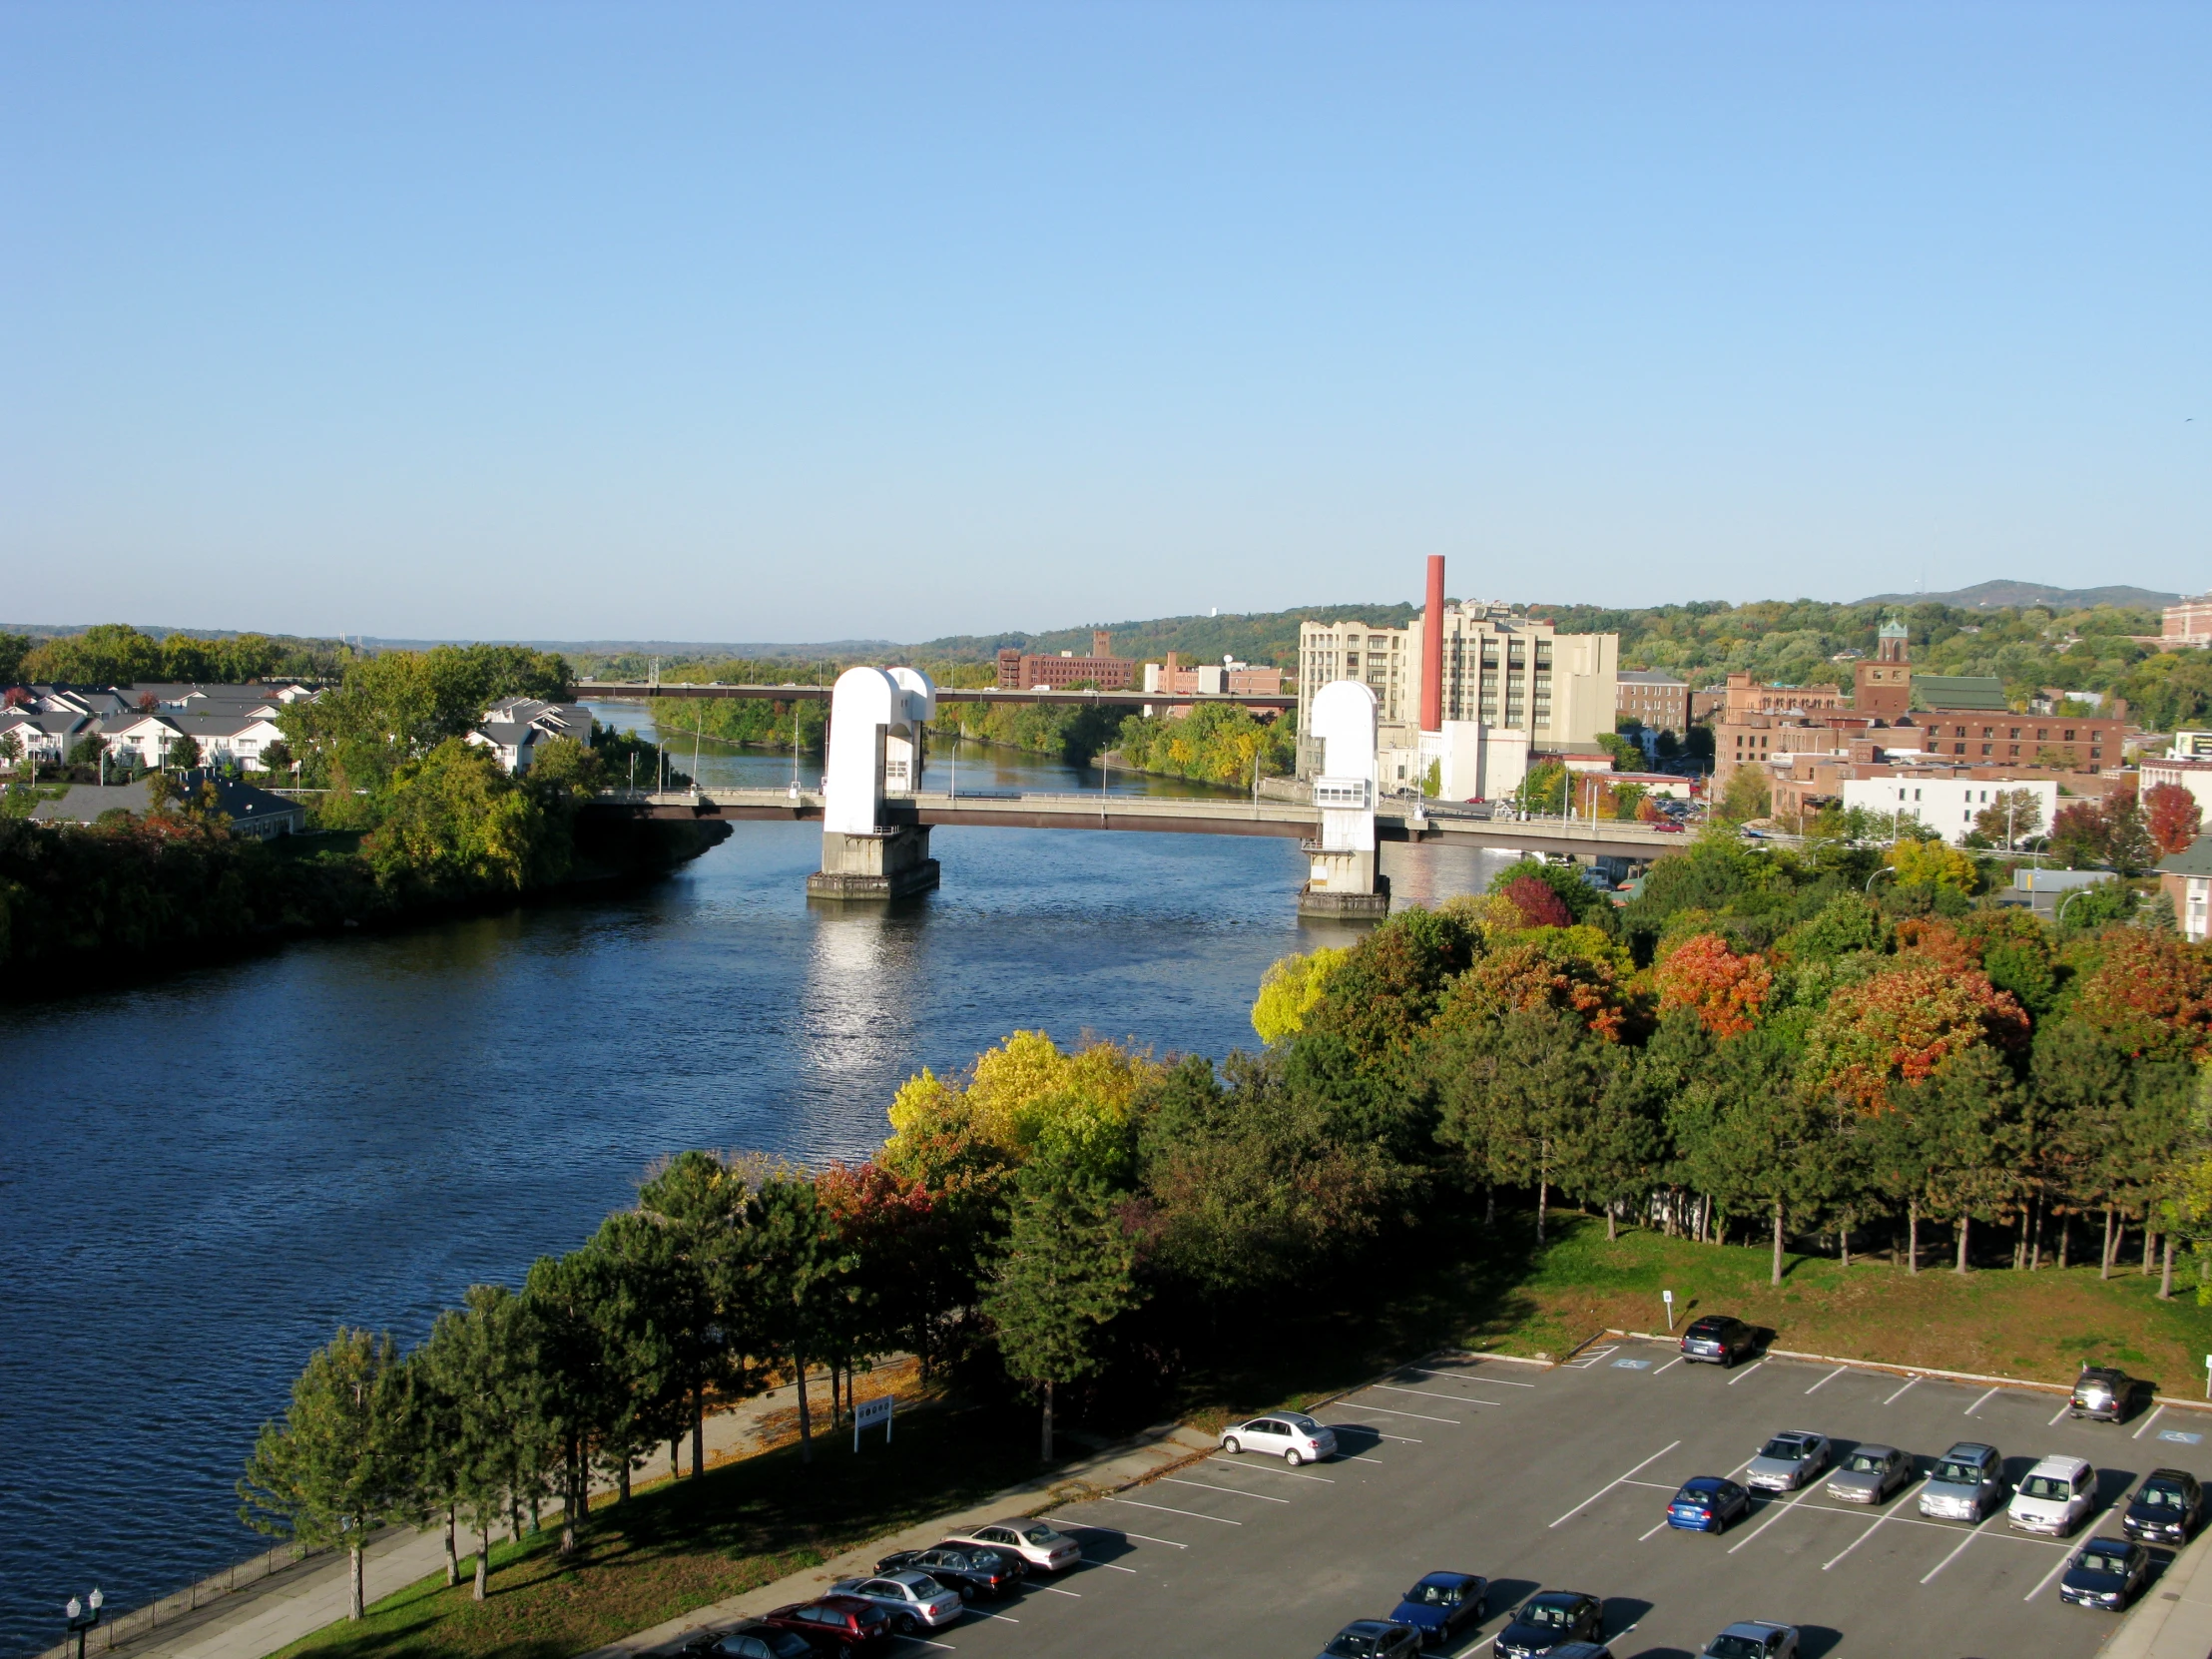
(1932,862)
(1291,989)
(1015,1094)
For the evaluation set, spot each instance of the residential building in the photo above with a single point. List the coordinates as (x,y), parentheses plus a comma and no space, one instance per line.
(1940,798)
(2186,880)
(1025,671)
(1966,732)
(2191,774)
(2188,623)
(1653,698)
(513,727)
(1881,687)
(253,813)
(46,736)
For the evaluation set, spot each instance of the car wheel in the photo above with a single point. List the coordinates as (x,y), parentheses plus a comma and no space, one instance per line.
(1293,1457)
(1728,1360)
(1232,1445)
(907,1625)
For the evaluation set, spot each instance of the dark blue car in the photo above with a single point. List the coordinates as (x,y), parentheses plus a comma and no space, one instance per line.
(1708,1503)
(1444,1605)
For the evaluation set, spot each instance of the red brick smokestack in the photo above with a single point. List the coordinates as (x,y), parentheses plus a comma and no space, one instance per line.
(1432,650)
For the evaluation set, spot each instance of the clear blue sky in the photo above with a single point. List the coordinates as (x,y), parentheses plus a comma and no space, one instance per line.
(832,320)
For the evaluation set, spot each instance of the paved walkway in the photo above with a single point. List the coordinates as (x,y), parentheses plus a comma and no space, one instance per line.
(2175,1620)
(273,1614)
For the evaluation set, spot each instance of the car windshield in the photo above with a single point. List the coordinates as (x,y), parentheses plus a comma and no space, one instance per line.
(2045,1485)
(1348,1646)
(1554,1615)
(1040,1534)
(1959,1473)
(2168,1497)
(1433,1595)
(1866,1462)
(2103,1560)
(1737,1647)
(1696,1500)
(1783,1452)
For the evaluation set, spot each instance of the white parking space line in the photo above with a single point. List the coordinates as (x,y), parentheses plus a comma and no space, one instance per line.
(1745,1465)
(1402,1439)
(1856,1542)
(1746,1371)
(1617,1480)
(1162,1508)
(1669,1365)
(1491,1382)
(1419,1415)
(1830,1378)
(1001,1617)
(1780,1509)
(1072,1595)
(1269,1469)
(1978,1405)
(1592,1357)
(1233,1491)
(2056,1567)
(1110,1567)
(2147,1422)
(1648,1534)
(1470,1652)
(2055,1415)
(1432,1393)
(1148,1538)
(1953,1556)
(1902,1392)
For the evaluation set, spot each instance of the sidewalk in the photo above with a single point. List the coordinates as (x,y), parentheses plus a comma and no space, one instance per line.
(271,1613)
(2175,1620)
(1154,1452)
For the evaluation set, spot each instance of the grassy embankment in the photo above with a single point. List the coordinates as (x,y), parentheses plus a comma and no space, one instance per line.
(674,1547)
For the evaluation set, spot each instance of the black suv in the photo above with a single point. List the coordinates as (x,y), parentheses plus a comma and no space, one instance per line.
(1719,1340)
(2166,1508)
(2102,1392)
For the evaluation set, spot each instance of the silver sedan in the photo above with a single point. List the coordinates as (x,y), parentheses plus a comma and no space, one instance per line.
(914,1600)
(1869,1475)
(1790,1460)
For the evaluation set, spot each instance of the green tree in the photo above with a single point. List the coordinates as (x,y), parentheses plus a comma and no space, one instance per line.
(480,1452)
(1518,1091)
(106,654)
(1747,796)
(1064,1273)
(1753,1138)
(574,1365)
(340,1465)
(696,1205)
(795,1262)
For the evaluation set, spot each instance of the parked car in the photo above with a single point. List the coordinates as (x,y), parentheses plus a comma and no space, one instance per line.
(1790,1460)
(1753,1639)
(1290,1435)
(752,1640)
(978,1574)
(2104,1394)
(1967,1484)
(1548,1620)
(1373,1639)
(1869,1475)
(2056,1497)
(1443,1607)
(834,1621)
(1036,1545)
(2166,1508)
(1718,1340)
(2106,1572)
(914,1600)
(1707,1503)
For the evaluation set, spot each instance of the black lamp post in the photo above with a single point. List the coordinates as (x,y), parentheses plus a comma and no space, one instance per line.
(83,1615)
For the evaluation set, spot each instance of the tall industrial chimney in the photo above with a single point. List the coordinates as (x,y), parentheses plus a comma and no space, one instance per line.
(1432,650)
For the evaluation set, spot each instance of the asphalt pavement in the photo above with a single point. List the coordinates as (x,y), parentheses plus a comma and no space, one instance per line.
(1558,1478)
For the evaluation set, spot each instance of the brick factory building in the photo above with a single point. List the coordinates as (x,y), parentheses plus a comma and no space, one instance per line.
(1024,671)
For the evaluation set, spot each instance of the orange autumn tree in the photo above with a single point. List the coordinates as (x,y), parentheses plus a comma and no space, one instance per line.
(2150,996)
(1903,1025)
(1576,971)
(2172,815)
(1724,989)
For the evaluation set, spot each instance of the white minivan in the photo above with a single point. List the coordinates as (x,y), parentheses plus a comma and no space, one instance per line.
(2056,1496)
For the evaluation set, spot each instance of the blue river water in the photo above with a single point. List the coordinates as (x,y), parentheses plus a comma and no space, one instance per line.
(202,1177)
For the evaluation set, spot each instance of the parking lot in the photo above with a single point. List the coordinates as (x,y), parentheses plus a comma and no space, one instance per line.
(1558,1478)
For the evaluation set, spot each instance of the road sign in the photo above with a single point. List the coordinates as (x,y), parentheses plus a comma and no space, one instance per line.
(1669,1295)
(870,1414)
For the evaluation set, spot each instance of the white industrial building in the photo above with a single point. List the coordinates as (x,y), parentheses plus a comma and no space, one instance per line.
(1943,802)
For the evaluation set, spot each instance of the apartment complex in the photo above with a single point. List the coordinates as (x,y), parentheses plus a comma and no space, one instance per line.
(1026,671)
(1653,698)
(2188,623)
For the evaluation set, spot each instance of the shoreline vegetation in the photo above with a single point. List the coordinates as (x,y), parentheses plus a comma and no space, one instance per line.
(409,823)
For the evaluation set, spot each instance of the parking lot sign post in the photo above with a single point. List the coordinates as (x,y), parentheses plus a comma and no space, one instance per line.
(872,1413)
(2208,1376)
(1669,1295)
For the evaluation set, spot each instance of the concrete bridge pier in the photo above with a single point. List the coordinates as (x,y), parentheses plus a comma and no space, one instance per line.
(876,720)
(1342,881)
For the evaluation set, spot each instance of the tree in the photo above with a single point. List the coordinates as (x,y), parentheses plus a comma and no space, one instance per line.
(474,1437)
(695,1206)
(1767,1144)
(1517,1097)
(1065,1271)
(453,824)
(1747,796)
(794,1263)
(1543,789)
(2013,817)
(1289,990)
(1724,989)
(339,1464)
(182,753)
(2173,818)
(565,1300)
(1929,863)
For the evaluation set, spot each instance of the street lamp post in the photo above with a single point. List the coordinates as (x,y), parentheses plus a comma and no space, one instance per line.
(1885,869)
(83,1615)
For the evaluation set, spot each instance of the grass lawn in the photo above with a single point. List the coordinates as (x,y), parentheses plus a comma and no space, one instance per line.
(685,1545)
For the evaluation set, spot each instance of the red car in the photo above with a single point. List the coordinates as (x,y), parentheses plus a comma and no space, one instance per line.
(845,1622)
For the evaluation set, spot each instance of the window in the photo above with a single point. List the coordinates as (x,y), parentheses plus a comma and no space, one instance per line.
(1985,748)
(2069,734)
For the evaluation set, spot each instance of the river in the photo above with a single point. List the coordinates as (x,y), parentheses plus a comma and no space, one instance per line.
(204,1176)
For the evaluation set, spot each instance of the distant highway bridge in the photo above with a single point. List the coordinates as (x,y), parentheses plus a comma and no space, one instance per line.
(637,691)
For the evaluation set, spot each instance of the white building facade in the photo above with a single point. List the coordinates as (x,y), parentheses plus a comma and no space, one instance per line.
(1944,803)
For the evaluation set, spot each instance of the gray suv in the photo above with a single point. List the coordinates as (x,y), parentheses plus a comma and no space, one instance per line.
(1967,1484)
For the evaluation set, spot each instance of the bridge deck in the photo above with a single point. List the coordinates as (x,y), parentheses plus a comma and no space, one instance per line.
(1158,815)
(638,691)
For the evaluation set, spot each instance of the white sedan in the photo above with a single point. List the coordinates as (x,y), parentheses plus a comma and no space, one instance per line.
(1030,1540)
(914,1600)
(1290,1435)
